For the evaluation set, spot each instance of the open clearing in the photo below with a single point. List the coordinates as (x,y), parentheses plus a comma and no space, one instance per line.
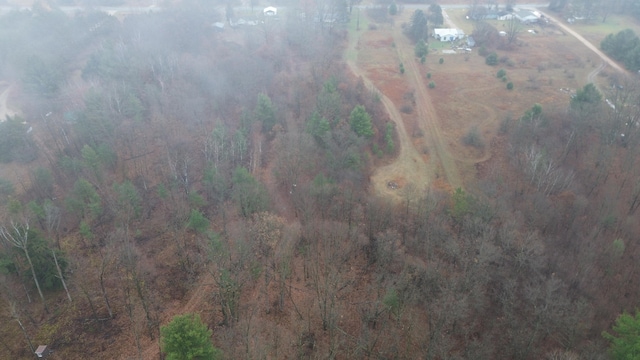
(467,95)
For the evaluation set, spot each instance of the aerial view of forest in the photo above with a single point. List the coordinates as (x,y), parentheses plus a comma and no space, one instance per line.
(320,179)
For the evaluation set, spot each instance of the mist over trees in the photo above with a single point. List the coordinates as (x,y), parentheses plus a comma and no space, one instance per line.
(173,169)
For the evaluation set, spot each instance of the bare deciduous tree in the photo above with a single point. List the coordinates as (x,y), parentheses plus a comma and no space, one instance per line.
(18,236)
(513,30)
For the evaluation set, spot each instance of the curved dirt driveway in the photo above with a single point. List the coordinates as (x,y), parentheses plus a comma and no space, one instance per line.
(409,164)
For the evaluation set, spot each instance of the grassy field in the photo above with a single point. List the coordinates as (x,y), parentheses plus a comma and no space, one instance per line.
(597,30)
(593,31)
(359,24)
(457,16)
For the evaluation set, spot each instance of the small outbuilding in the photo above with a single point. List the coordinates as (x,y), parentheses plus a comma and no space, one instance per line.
(270,11)
(43,351)
(470,41)
(218,26)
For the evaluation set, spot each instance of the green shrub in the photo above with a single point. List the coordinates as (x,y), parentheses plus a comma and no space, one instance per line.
(492,59)
(501,73)
(393,9)
(441,61)
(187,337)
(401,68)
(509,85)
(432,85)
(428,75)
(421,49)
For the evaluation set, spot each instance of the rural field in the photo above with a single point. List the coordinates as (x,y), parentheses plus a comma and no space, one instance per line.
(546,67)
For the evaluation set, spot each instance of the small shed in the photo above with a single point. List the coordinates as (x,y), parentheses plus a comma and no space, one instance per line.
(470,41)
(218,26)
(43,351)
(270,11)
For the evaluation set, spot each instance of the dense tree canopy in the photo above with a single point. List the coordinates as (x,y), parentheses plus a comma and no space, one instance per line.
(586,100)
(265,113)
(360,122)
(170,177)
(625,342)
(42,259)
(435,15)
(417,29)
(625,47)
(16,143)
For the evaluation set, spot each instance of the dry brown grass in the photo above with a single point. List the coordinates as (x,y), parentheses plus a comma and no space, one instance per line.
(468,94)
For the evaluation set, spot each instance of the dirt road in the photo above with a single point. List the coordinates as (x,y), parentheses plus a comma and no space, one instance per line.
(409,164)
(411,167)
(429,121)
(448,20)
(586,43)
(591,78)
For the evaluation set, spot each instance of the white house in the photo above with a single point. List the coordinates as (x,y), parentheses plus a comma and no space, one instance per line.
(270,11)
(506,16)
(527,16)
(448,34)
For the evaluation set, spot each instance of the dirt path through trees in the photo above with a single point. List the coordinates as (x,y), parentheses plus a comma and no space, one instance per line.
(198,298)
(428,119)
(410,166)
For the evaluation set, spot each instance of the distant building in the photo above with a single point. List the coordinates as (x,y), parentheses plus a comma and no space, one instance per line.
(270,11)
(219,26)
(527,16)
(448,34)
(505,16)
